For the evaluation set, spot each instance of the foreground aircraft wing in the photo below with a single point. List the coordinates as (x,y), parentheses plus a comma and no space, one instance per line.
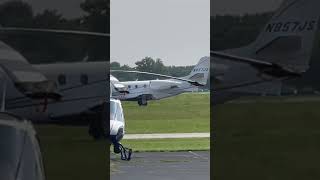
(27,79)
(15,30)
(266,67)
(195,83)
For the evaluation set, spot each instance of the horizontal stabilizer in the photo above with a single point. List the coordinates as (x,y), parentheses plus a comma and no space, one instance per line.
(266,67)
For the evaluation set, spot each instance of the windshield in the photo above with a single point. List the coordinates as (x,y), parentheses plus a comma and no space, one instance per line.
(19,155)
(113,110)
(10,150)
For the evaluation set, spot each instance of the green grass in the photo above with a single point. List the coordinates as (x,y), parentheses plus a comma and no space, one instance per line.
(276,141)
(69,153)
(195,144)
(180,114)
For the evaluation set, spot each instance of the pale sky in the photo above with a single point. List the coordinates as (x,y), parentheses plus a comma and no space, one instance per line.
(176,31)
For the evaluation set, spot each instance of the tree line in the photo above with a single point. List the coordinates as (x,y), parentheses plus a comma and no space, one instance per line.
(148,64)
(49,48)
(232,31)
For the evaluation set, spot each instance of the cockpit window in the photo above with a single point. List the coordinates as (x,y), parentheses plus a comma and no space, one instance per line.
(11,146)
(119,113)
(113,110)
(29,161)
(116,112)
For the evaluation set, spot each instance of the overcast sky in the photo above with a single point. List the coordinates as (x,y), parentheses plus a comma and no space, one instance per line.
(176,31)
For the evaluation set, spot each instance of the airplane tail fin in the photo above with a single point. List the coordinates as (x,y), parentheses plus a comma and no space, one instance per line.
(288,38)
(200,72)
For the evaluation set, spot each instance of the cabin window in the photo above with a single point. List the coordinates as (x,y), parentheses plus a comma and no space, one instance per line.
(144,85)
(62,79)
(136,86)
(129,86)
(84,79)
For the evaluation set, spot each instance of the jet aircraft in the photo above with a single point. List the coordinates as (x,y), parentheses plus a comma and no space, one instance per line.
(144,91)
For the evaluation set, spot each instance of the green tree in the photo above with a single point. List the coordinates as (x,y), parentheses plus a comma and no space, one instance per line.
(98,18)
(115,65)
(16,13)
(146,64)
(49,19)
(159,67)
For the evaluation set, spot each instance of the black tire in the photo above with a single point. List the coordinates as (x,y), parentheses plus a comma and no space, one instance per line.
(95,129)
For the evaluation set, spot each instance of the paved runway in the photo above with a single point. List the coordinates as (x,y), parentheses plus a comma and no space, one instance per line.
(162,166)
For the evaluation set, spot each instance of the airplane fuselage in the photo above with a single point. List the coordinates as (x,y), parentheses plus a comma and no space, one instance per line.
(154,89)
(81,85)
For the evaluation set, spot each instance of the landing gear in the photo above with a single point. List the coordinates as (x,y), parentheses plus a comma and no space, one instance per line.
(95,129)
(142,101)
(124,152)
(99,123)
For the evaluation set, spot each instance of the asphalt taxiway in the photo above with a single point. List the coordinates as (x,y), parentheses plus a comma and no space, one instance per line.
(188,165)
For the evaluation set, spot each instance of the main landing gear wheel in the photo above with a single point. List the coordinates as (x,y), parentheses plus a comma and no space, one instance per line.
(124,152)
(142,101)
(95,129)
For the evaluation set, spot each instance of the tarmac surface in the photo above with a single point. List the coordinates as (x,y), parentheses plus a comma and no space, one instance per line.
(188,165)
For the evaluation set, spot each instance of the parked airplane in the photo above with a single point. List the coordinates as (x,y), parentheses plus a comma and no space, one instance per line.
(281,52)
(45,93)
(143,91)
(117,129)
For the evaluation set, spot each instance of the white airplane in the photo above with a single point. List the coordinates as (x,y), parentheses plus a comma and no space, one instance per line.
(46,93)
(117,129)
(157,89)
(143,91)
(280,53)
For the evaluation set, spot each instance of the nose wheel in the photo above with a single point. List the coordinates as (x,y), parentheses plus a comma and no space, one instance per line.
(124,152)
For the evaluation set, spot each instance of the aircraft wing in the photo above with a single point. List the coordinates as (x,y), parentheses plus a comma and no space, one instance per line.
(266,67)
(195,83)
(28,80)
(16,30)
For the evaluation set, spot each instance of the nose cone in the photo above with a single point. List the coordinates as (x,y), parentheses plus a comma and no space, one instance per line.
(115,126)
